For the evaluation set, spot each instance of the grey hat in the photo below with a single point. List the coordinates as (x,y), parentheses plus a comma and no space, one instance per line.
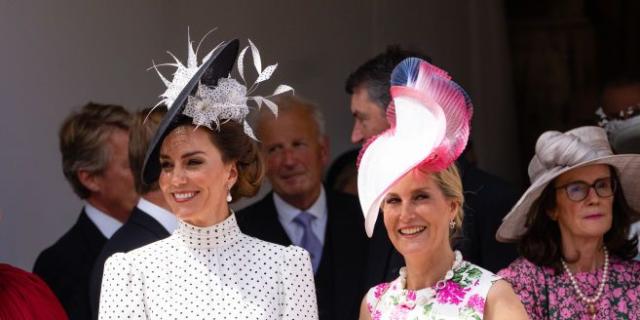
(557,153)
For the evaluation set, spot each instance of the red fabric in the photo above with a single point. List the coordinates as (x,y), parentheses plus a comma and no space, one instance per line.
(24,296)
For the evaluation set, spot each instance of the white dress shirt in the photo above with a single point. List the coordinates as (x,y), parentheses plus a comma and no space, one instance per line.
(287,212)
(107,224)
(167,219)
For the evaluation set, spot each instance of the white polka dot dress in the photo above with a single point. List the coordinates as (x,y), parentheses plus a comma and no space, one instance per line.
(209,273)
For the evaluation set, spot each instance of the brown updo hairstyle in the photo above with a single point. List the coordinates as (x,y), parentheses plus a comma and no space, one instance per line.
(542,242)
(235,145)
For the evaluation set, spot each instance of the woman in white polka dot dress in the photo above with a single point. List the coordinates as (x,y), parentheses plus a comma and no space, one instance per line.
(203,157)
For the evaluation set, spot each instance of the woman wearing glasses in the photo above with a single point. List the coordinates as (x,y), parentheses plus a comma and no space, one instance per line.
(571,227)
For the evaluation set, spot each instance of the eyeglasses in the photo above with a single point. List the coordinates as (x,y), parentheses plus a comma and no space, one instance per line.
(578,190)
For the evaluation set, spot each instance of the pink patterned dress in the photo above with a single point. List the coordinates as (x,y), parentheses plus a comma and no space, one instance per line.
(462,297)
(547,295)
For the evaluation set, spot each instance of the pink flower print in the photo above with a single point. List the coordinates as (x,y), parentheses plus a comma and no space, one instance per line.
(622,306)
(565,313)
(476,303)
(399,314)
(562,292)
(631,294)
(380,290)
(452,293)
(411,295)
(377,315)
(617,267)
(553,299)
(617,292)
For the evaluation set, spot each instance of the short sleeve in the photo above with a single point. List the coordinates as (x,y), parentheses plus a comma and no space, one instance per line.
(300,292)
(375,294)
(121,295)
(528,282)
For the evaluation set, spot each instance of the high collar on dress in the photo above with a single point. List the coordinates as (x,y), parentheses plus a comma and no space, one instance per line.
(218,235)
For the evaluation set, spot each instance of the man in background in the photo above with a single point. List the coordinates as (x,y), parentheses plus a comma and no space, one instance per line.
(301,211)
(151,219)
(93,144)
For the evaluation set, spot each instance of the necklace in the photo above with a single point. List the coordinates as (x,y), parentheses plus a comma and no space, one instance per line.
(430,292)
(590,301)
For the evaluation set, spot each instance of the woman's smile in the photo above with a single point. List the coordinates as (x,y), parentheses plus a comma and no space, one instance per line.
(183,196)
(409,232)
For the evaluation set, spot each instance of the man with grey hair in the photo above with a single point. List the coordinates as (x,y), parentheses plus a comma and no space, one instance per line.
(302,212)
(93,143)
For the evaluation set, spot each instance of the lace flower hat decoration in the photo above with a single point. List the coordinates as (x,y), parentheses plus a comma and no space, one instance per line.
(430,119)
(208,95)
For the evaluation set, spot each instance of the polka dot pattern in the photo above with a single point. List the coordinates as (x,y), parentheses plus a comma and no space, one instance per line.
(209,273)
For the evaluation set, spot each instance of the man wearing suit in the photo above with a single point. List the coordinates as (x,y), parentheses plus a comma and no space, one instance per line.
(151,219)
(302,212)
(93,143)
(487,198)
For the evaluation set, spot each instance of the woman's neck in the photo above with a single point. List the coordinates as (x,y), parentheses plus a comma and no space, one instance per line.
(583,254)
(425,270)
(210,219)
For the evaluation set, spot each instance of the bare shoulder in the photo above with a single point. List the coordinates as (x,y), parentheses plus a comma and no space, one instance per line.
(503,303)
(364,311)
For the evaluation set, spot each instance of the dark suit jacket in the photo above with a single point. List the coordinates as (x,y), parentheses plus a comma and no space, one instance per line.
(140,230)
(66,265)
(339,284)
(487,200)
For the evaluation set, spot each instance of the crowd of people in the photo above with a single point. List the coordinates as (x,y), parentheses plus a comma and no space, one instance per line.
(404,227)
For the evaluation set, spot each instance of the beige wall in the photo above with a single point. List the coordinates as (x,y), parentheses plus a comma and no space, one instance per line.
(57,55)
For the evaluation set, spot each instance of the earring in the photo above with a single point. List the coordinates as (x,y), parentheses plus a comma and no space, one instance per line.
(452,224)
(229,198)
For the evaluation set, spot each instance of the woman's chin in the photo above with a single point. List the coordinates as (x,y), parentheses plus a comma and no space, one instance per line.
(184,215)
(596,229)
(408,248)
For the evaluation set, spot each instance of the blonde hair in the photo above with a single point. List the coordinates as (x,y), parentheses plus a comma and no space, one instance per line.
(449,182)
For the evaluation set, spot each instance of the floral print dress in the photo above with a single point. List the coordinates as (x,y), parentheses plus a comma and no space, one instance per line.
(547,295)
(462,297)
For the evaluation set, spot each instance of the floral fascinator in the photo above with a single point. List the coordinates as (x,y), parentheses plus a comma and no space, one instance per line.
(208,95)
(430,119)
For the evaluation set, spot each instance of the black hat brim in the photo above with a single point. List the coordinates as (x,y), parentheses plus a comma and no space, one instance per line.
(219,65)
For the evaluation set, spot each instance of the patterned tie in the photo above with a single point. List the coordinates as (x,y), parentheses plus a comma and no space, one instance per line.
(309,240)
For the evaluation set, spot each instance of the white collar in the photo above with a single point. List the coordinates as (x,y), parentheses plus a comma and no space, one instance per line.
(163,216)
(107,224)
(318,209)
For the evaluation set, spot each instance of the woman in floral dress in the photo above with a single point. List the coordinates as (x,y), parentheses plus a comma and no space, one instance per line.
(408,172)
(572,229)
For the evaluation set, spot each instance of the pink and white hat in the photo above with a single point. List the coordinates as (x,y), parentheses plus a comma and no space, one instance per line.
(430,119)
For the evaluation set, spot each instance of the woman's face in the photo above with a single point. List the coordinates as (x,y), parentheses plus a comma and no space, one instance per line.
(194,179)
(592,216)
(417,214)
